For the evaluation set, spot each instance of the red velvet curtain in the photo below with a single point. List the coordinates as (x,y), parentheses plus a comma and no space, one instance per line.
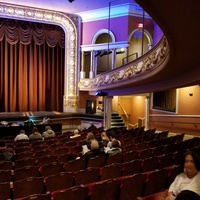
(31,66)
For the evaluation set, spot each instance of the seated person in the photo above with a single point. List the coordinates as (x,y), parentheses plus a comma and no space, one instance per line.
(21,136)
(46,120)
(187,195)
(94,151)
(104,139)
(76,134)
(6,154)
(115,148)
(89,138)
(35,134)
(112,137)
(188,179)
(4,123)
(48,132)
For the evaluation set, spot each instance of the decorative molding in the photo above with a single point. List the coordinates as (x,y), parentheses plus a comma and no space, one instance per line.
(71,26)
(140,69)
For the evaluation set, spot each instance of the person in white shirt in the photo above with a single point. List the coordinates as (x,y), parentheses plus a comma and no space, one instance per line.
(188,179)
(21,136)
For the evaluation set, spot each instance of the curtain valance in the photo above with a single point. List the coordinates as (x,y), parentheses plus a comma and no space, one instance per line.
(15,30)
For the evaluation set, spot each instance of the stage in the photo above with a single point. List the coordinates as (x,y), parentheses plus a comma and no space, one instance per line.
(60,121)
(67,119)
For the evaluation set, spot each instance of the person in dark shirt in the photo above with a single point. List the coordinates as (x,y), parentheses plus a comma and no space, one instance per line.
(93,152)
(6,154)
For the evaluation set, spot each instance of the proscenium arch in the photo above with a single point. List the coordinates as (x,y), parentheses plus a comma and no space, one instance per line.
(98,33)
(71,26)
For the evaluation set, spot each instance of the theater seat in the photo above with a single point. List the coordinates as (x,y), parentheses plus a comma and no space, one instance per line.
(108,189)
(156,196)
(73,193)
(132,186)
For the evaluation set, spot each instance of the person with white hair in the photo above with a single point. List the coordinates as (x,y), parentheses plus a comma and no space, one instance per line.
(94,151)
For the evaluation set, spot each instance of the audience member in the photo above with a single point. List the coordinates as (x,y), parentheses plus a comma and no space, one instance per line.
(94,150)
(21,136)
(104,139)
(76,134)
(188,179)
(112,137)
(5,153)
(187,195)
(4,123)
(115,148)
(48,132)
(89,138)
(35,134)
(92,127)
(46,120)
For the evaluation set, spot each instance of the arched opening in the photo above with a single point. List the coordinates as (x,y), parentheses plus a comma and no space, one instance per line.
(104,56)
(140,42)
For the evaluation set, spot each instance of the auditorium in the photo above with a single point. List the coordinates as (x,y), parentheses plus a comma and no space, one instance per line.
(124,73)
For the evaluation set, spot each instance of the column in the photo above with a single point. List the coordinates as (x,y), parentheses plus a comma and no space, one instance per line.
(107,111)
(82,73)
(71,103)
(91,73)
(147,113)
(113,58)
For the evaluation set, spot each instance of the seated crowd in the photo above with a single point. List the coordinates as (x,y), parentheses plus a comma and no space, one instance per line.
(107,143)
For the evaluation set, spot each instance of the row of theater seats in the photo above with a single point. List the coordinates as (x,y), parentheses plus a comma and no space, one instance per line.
(76,167)
(62,185)
(68,162)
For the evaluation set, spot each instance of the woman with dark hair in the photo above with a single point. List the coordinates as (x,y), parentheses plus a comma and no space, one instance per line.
(187,195)
(189,178)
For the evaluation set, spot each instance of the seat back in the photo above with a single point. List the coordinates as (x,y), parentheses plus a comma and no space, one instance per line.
(28,186)
(132,186)
(115,158)
(156,196)
(98,161)
(156,181)
(25,162)
(36,197)
(132,167)
(45,160)
(73,193)
(105,190)
(75,165)
(51,169)
(6,165)
(6,175)
(25,172)
(5,190)
(86,176)
(59,181)
(111,171)
(150,164)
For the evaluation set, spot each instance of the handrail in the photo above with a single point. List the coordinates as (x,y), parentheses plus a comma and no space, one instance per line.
(172,123)
(125,113)
(125,59)
(132,125)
